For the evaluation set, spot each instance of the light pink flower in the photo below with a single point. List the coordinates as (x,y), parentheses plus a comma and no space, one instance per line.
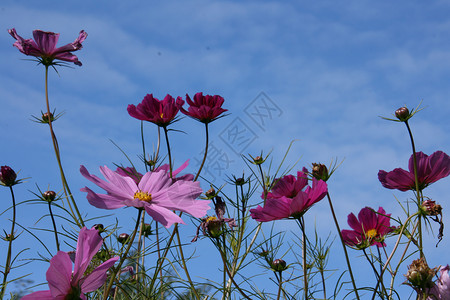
(65,284)
(44,46)
(204,108)
(290,199)
(370,228)
(441,290)
(156,192)
(429,169)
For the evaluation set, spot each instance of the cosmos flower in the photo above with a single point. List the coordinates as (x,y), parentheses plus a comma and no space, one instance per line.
(160,112)
(67,284)
(370,228)
(289,199)
(44,46)
(441,289)
(204,108)
(156,192)
(7,176)
(429,169)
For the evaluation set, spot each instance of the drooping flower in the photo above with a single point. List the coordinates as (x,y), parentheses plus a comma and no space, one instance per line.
(429,169)
(289,198)
(156,192)
(370,228)
(44,46)
(65,284)
(160,112)
(441,289)
(204,108)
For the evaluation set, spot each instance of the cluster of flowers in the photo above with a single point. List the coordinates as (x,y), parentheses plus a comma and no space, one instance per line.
(160,192)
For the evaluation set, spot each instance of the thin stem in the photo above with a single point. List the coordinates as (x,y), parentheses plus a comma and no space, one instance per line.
(124,256)
(168,150)
(416,179)
(228,272)
(263,182)
(379,278)
(343,246)
(11,238)
(67,192)
(305,270)
(206,153)
(183,260)
(323,284)
(280,283)
(395,249)
(54,224)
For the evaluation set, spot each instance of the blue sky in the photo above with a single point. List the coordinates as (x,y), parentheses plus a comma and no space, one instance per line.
(328,69)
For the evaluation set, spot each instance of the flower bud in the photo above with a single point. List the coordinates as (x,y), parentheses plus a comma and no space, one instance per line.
(210,193)
(7,176)
(264,253)
(99,227)
(146,230)
(49,196)
(240,181)
(258,160)
(46,116)
(419,275)
(123,238)
(402,114)
(278,265)
(320,171)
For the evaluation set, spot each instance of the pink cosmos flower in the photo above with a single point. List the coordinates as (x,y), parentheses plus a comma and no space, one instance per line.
(429,169)
(162,113)
(289,199)
(156,192)
(204,108)
(65,284)
(44,46)
(441,290)
(370,228)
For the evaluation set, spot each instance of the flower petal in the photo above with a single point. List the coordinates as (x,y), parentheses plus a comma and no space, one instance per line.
(59,274)
(98,277)
(88,244)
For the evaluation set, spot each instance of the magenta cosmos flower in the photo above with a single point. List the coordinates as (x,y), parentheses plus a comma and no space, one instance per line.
(44,46)
(65,284)
(370,228)
(289,198)
(204,108)
(160,112)
(429,169)
(441,290)
(156,192)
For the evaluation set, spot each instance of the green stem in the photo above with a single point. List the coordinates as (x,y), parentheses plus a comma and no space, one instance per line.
(228,271)
(206,153)
(78,220)
(54,224)
(343,246)
(305,269)
(124,256)
(11,238)
(419,200)
(280,283)
(183,261)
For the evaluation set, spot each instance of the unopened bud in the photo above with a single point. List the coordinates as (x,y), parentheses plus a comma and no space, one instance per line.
(146,230)
(210,193)
(49,196)
(123,238)
(402,114)
(240,181)
(99,227)
(214,227)
(7,176)
(46,116)
(320,171)
(278,265)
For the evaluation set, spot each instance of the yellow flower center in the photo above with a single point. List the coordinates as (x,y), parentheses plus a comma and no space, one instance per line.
(143,196)
(212,218)
(371,233)
(161,115)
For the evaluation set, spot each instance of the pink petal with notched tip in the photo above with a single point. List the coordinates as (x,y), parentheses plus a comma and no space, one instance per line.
(59,274)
